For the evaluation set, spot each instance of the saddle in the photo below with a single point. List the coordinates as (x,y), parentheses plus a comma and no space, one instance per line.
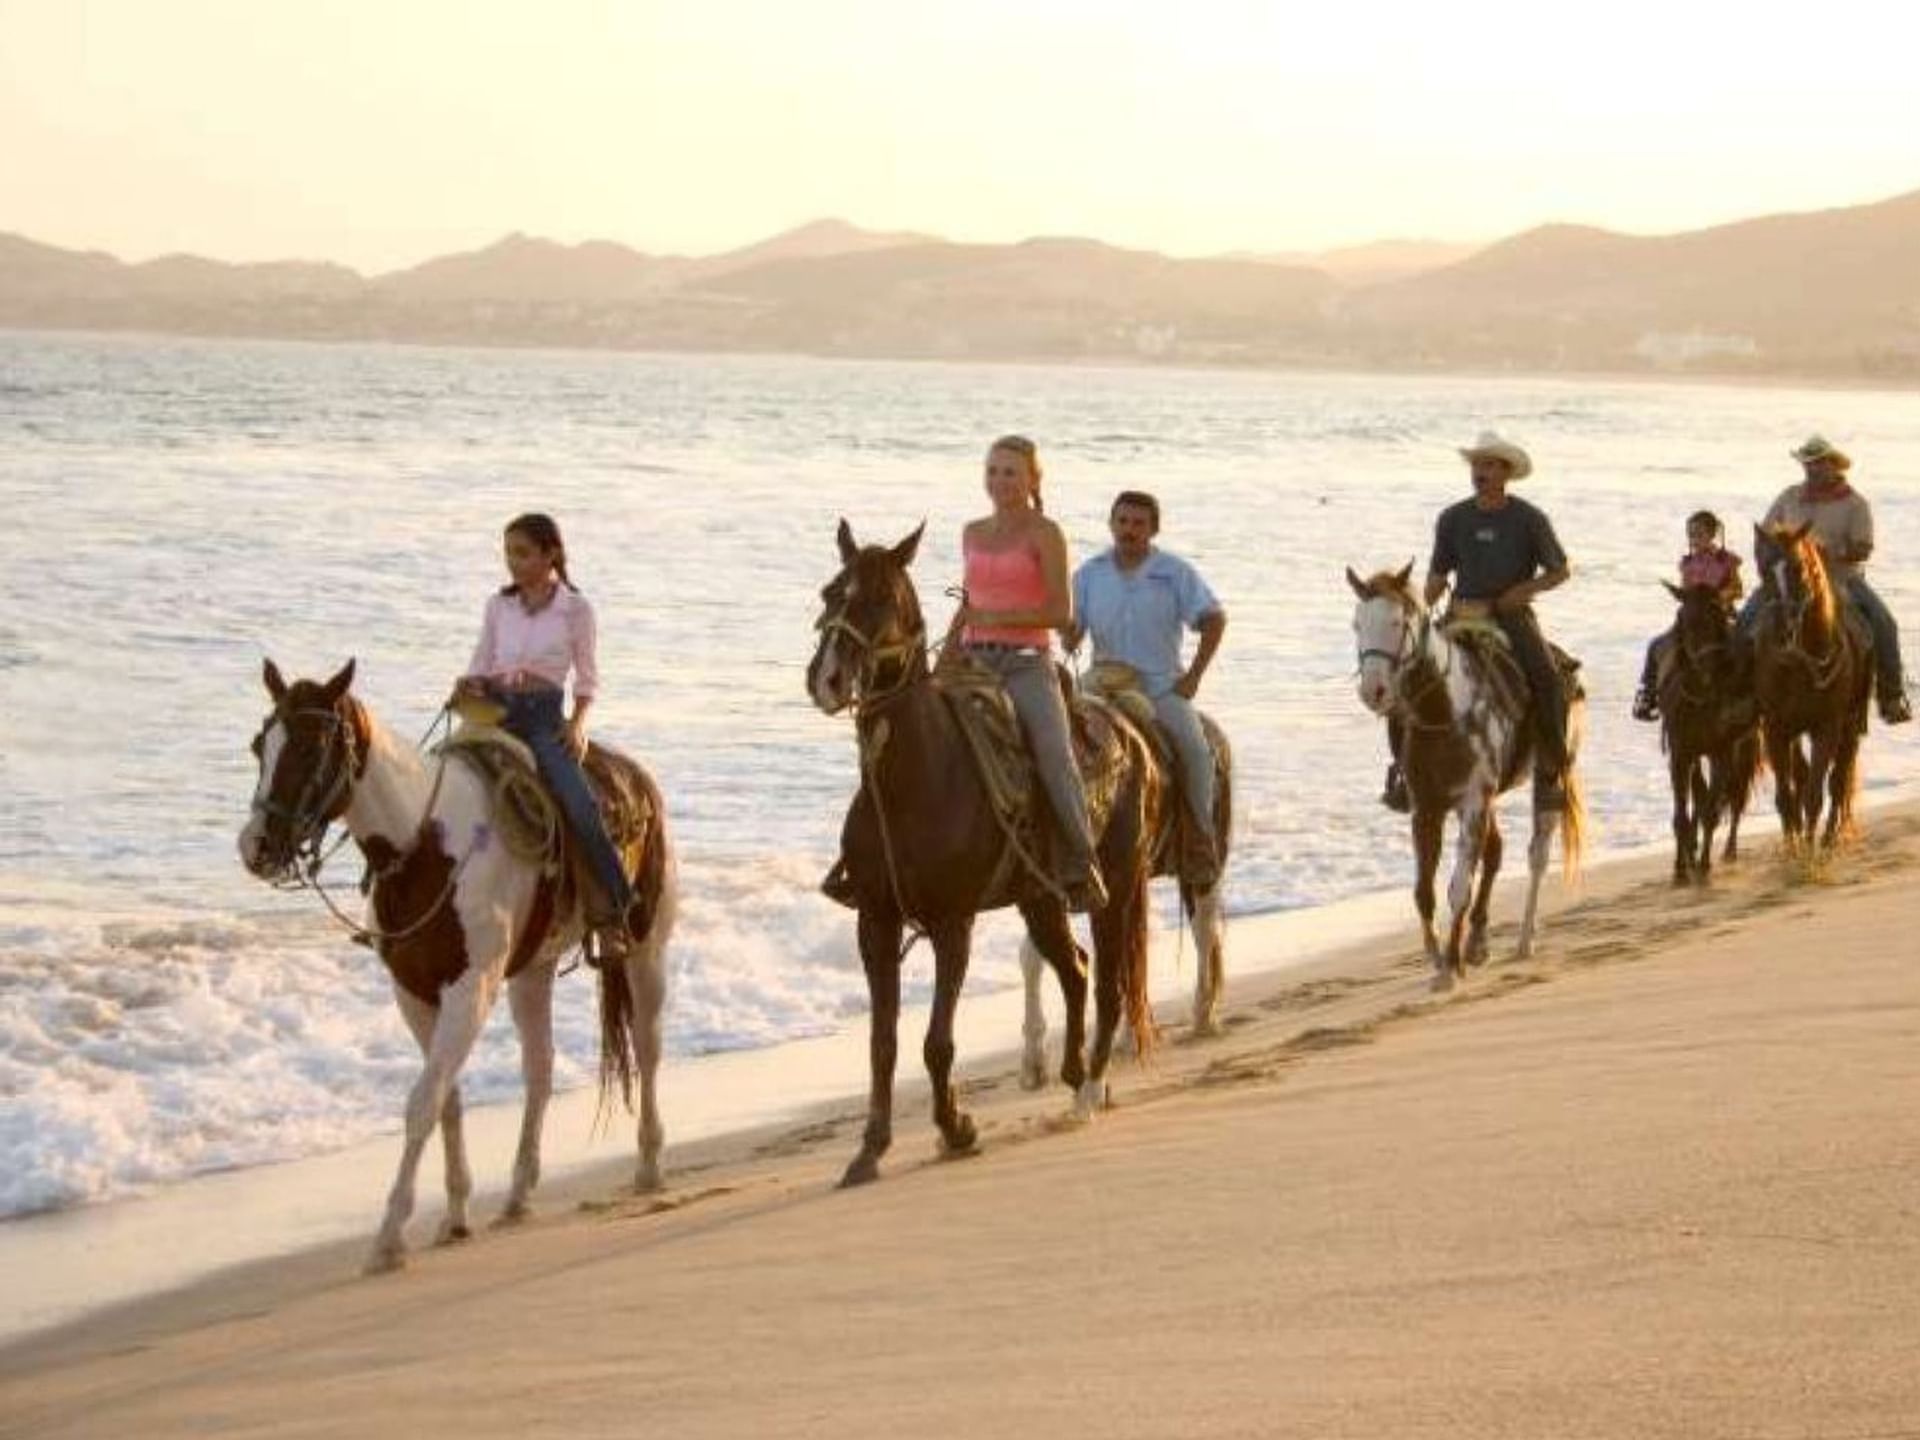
(1470,625)
(1177,840)
(984,712)
(529,819)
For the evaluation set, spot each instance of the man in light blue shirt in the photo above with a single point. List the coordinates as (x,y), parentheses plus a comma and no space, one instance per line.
(1136,601)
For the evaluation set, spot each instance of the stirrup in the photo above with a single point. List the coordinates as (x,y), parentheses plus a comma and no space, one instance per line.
(1086,893)
(607,942)
(838,885)
(1395,796)
(1646,705)
(1895,709)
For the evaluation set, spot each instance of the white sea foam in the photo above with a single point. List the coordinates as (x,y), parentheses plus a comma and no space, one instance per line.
(180,509)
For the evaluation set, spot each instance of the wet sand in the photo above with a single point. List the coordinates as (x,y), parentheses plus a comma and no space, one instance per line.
(1664,1179)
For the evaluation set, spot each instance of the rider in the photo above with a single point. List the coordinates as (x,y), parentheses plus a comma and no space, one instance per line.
(1134,600)
(1501,552)
(1707,562)
(536,630)
(1017,595)
(1843,527)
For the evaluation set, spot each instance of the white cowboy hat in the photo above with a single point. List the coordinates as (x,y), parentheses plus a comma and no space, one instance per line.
(1491,447)
(1818,447)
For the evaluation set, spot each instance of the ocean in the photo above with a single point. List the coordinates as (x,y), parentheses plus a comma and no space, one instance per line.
(177,510)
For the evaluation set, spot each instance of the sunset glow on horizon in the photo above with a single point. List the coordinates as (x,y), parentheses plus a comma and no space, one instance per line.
(379,135)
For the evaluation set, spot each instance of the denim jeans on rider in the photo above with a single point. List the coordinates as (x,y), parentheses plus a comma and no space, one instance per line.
(539,718)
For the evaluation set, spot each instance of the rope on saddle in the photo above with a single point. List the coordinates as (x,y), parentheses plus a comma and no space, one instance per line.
(526,816)
(985,717)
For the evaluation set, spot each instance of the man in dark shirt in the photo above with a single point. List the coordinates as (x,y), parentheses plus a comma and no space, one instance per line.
(1500,552)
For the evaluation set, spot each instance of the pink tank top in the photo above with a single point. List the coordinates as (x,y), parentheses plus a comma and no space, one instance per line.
(1006,580)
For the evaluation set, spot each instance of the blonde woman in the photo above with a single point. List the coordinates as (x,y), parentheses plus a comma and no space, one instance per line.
(1018,594)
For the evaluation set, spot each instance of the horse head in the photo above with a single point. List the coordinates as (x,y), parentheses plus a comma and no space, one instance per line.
(1703,626)
(1387,627)
(872,636)
(310,748)
(1794,570)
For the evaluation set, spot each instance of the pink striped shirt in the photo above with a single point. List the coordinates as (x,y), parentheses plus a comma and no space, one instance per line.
(518,645)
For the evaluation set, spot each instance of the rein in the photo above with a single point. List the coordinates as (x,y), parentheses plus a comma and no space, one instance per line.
(310,823)
(1415,648)
(1823,669)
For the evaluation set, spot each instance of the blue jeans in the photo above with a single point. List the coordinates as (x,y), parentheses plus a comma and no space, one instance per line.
(1885,629)
(538,717)
(1182,724)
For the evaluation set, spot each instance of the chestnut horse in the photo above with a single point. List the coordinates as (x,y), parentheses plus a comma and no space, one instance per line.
(455,913)
(1469,739)
(923,844)
(1813,681)
(1708,729)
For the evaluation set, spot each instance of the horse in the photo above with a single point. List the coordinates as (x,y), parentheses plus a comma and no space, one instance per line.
(1813,681)
(923,842)
(1200,907)
(1708,730)
(454,912)
(1469,739)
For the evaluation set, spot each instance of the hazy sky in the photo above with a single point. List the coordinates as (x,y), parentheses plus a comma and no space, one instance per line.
(378,132)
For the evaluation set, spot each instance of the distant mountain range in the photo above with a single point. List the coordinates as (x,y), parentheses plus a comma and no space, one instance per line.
(1832,294)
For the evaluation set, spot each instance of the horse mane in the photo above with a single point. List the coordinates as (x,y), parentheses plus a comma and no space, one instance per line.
(1799,542)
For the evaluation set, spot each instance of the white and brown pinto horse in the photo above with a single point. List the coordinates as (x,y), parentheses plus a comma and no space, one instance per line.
(1466,743)
(456,914)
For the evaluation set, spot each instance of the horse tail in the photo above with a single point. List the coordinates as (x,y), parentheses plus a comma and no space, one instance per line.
(1573,827)
(1135,913)
(1134,1002)
(649,917)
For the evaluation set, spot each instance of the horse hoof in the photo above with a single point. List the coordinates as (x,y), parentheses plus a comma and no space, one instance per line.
(864,1170)
(1090,1100)
(385,1260)
(963,1139)
(518,1212)
(647,1179)
(451,1234)
(1207,1028)
(1033,1074)
(1442,982)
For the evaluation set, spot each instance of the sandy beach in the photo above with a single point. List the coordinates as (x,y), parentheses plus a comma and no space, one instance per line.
(1662,1180)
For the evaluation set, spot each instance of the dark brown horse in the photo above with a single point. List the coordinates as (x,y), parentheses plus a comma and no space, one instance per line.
(924,845)
(1813,680)
(1708,728)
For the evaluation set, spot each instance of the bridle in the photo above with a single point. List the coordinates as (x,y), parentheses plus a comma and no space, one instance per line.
(873,656)
(1792,611)
(325,794)
(1414,648)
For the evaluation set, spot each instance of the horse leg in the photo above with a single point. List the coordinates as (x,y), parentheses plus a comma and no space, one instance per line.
(1680,773)
(1846,754)
(880,956)
(1211,968)
(1033,1029)
(457,1023)
(1052,934)
(1466,862)
(1745,760)
(1784,755)
(1491,849)
(952,938)
(530,999)
(1427,826)
(1705,817)
(1814,792)
(647,988)
(419,1016)
(1546,824)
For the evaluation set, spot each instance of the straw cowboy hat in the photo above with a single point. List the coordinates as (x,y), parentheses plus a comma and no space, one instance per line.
(1491,447)
(1818,447)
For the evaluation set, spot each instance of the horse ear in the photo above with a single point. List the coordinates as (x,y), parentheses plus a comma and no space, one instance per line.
(276,686)
(904,552)
(1403,577)
(1674,590)
(339,684)
(849,547)
(1359,585)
